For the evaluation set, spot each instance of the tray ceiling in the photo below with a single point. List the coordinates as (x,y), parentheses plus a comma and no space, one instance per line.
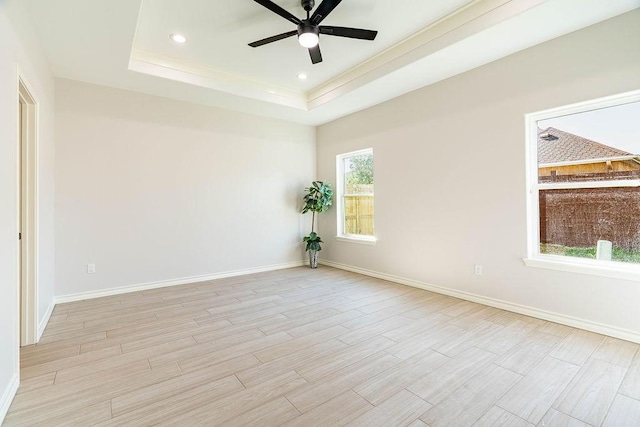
(126,44)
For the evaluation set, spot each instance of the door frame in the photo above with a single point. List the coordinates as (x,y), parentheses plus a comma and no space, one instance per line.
(27,189)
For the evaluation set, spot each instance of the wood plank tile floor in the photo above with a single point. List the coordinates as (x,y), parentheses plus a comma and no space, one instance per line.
(304,347)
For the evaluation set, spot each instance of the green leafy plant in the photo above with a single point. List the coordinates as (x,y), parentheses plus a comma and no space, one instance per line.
(317,199)
(361,170)
(313,242)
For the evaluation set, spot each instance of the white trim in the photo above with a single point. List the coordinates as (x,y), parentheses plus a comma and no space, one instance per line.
(28,158)
(45,320)
(581,107)
(172,282)
(588,325)
(534,258)
(531,179)
(362,240)
(8,395)
(159,65)
(611,269)
(463,23)
(588,184)
(340,195)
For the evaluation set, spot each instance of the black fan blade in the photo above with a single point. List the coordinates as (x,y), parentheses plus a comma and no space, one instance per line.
(273,38)
(323,10)
(315,54)
(280,11)
(352,33)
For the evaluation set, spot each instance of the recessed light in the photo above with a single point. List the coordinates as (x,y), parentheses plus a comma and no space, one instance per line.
(302,76)
(178,38)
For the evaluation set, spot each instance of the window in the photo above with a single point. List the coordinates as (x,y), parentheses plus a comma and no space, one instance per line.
(584,187)
(355,196)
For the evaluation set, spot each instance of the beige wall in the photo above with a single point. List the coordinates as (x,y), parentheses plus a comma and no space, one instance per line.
(20,47)
(450,175)
(151,189)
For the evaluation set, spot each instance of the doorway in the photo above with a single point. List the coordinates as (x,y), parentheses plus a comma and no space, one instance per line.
(27,230)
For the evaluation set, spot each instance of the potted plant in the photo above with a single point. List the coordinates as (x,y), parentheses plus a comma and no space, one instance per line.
(317,199)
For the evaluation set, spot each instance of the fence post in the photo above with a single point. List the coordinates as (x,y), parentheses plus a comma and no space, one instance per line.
(604,250)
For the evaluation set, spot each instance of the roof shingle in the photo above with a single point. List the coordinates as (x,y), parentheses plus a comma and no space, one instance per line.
(559,146)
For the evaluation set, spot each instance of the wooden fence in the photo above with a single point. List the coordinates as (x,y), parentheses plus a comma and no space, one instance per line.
(358,215)
(582,216)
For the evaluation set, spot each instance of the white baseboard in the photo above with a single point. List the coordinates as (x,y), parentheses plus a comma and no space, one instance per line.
(45,320)
(172,282)
(574,322)
(8,395)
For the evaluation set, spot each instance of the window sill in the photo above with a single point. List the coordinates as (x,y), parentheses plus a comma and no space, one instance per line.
(612,270)
(362,240)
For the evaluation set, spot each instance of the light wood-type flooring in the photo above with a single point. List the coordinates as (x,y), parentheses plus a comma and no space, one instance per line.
(303,347)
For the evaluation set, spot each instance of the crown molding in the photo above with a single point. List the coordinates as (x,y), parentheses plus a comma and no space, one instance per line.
(159,65)
(450,29)
(457,26)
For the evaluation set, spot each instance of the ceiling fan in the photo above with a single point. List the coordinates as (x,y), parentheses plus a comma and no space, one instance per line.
(309,29)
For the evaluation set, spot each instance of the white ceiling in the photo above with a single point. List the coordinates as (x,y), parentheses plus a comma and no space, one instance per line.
(125,44)
(219,32)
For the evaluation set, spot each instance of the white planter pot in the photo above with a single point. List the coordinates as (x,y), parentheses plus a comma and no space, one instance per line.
(313,259)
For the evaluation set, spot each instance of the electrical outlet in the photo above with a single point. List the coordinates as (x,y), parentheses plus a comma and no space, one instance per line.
(477,269)
(91,268)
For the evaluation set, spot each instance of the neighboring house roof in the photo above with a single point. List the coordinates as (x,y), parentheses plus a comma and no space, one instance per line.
(557,146)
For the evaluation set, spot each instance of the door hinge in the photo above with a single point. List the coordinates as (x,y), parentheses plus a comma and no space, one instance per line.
(19,236)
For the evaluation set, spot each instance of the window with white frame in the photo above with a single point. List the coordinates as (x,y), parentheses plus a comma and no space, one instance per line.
(355,195)
(584,187)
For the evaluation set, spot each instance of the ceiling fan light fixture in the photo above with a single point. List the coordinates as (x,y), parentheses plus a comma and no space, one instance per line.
(308,39)
(308,34)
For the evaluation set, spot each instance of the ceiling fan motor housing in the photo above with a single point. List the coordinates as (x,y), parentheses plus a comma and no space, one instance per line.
(307,27)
